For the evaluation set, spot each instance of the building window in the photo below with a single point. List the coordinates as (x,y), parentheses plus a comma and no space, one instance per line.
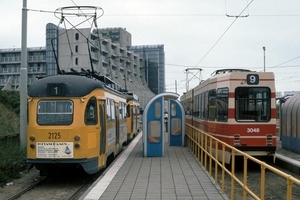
(76,48)
(76,61)
(76,36)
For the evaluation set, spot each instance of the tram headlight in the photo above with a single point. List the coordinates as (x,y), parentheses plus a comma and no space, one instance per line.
(76,137)
(32,138)
(32,145)
(77,145)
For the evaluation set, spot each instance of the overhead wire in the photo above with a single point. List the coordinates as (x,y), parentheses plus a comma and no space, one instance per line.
(279,65)
(193,15)
(218,40)
(249,67)
(174,15)
(286,66)
(223,34)
(201,15)
(239,14)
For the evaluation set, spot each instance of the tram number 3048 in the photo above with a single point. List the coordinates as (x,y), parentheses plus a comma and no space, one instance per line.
(252,130)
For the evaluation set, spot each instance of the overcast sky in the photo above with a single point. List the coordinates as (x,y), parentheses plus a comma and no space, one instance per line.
(196,33)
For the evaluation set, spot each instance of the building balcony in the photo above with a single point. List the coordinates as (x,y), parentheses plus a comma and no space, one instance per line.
(104,49)
(94,56)
(10,60)
(10,71)
(36,59)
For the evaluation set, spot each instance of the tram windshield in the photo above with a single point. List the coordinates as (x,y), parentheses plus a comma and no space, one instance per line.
(53,112)
(253,104)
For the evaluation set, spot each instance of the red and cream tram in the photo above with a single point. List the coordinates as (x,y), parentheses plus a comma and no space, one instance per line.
(238,107)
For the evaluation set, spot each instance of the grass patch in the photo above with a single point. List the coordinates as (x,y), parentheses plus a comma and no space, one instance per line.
(12,157)
(9,122)
(12,160)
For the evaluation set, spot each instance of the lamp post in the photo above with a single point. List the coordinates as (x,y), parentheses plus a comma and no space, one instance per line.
(23,78)
(264,48)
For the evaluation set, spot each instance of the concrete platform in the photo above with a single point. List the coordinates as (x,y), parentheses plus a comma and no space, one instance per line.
(287,159)
(177,175)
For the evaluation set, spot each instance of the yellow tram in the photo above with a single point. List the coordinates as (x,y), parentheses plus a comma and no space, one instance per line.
(74,121)
(133,116)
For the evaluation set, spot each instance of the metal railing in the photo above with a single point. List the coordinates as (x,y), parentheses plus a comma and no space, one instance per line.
(202,145)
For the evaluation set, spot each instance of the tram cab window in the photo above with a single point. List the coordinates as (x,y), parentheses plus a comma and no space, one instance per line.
(90,117)
(253,104)
(55,112)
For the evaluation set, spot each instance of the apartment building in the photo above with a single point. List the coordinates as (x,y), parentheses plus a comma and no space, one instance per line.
(107,51)
(10,65)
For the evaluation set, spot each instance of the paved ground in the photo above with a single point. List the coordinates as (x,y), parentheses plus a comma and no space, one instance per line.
(177,175)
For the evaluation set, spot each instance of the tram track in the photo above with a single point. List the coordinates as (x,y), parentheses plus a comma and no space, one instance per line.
(83,188)
(23,191)
(57,186)
(64,184)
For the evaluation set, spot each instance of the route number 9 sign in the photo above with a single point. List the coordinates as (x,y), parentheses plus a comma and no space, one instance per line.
(252,79)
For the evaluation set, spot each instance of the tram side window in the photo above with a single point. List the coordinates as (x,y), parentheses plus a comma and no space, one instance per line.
(122,111)
(128,110)
(187,106)
(110,109)
(134,110)
(202,106)
(138,110)
(113,113)
(212,105)
(205,114)
(90,117)
(222,104)
(196,106)
(253,104)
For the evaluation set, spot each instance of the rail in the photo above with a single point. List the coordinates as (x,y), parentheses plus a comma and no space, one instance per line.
(201,145)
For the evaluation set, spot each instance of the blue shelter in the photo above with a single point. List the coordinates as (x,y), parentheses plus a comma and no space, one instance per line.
(155,124)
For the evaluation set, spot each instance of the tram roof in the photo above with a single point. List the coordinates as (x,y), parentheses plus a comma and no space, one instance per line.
(74,86)
(223,71)
(132,96)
